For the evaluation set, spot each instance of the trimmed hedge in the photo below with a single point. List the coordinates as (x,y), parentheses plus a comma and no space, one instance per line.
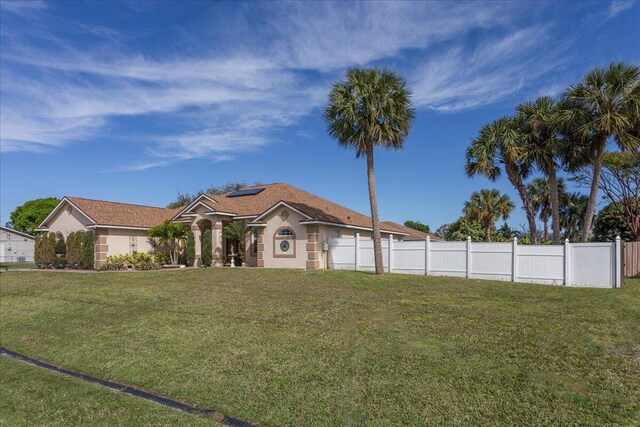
(87,250)
(207,252)
(74,249)
(191,248)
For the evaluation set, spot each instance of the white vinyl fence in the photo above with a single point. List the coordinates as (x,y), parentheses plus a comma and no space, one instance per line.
(573,264)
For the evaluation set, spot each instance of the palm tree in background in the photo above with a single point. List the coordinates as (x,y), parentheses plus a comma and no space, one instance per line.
(370,108)
(604,106)
(542,138)
(540,193)
(572,214)
(237,230)
(487,206)
(501,143)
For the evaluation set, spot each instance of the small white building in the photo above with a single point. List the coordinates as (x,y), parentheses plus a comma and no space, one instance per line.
(16,246)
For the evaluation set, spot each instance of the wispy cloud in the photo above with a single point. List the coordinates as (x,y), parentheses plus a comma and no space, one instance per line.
(228,101)
(496,68)
(617,7)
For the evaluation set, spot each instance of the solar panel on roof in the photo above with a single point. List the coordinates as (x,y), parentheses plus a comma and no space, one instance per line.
(249,192)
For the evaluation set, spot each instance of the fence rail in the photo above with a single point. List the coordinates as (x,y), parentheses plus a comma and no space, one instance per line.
(631,259)
(573,264)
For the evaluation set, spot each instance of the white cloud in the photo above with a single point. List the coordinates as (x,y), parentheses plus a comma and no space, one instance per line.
(53,92)
(617,7)
(495,69)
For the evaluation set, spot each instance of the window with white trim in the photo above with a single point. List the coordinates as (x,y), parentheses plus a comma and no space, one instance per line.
(285,232)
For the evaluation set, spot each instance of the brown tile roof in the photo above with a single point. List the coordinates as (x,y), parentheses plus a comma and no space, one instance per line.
(316,207)
(412,234)
(122,214)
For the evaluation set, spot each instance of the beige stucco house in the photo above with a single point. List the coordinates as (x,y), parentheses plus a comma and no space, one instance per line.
(289,226)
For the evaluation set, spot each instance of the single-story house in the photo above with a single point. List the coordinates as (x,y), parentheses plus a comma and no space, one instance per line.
(15,246)
(289,226)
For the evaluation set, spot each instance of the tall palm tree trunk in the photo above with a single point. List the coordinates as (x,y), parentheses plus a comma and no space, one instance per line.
(514,178)
(545,231)
(377,246)
(593,195)
(555,206)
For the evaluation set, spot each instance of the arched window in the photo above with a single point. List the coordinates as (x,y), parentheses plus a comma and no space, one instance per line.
(284,243)
(285,232)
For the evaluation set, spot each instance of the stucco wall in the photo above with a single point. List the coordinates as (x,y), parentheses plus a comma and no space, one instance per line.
(118,241)
(274,222)
(65,222)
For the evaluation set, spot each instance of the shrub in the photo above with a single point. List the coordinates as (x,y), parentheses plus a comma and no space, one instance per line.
(61,247)
(162,258)
(135,260)
(51,248)
(207,252)
(37,250)
(191,248)
(74,249)
(87,250)
(60,263)
(148,265)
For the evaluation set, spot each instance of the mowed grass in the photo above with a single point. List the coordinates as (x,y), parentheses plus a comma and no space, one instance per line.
(32,396)
(16,265)
(282,347)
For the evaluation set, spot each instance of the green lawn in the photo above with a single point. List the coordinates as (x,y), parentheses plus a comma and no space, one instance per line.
(326,347)
(32,396)
(16,265)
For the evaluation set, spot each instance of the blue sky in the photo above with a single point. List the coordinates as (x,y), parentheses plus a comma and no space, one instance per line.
(135,102)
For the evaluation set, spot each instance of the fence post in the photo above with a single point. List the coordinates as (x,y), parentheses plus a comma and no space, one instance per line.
(357,249)
(514,278)
(619,263)
(390,252)
(567,263)
(427,243)
(468,257)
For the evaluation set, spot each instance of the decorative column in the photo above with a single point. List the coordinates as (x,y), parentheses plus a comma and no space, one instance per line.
(101,247)
(313,247)
(260,252)
(216,243)
(197,237)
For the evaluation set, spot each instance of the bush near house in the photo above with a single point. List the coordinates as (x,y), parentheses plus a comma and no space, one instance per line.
(51,251)
(61,247)
(87,250)
(133,261)
(191,248)
(74,249)
(207,252)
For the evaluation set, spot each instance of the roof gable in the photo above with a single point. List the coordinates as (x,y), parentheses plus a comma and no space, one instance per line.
(19,233)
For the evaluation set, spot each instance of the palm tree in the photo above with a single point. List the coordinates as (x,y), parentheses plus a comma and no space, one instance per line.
(487,206)
(572,213)
(540,194)
(371,108)
(604,105)
(542,138)
(171,235)
(237,230)
(501,142)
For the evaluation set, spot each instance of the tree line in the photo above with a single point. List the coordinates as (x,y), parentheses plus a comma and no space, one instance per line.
(568,134)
